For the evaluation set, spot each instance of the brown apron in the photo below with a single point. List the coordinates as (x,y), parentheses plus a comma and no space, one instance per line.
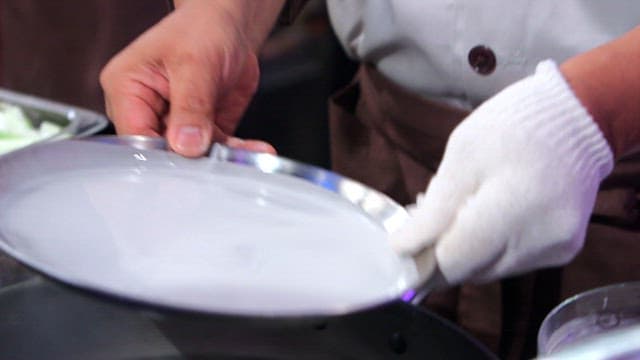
(393,140)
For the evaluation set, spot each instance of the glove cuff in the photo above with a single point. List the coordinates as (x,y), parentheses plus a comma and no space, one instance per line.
(566,124)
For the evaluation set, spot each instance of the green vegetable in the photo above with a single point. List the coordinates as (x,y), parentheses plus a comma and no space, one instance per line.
(17,131)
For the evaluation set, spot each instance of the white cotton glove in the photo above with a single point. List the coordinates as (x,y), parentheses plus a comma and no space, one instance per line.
(515,188)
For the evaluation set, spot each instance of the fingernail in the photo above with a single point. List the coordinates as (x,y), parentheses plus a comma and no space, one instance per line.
(190,139)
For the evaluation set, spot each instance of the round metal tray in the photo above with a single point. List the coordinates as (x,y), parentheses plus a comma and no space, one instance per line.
(137,155)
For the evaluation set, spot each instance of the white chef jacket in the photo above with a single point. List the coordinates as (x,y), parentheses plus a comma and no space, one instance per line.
(424,45)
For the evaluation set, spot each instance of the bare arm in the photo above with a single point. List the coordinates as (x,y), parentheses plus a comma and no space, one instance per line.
(607,82)
(254,17)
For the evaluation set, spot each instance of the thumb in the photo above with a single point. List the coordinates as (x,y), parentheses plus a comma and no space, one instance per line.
(193,97)
(431,216)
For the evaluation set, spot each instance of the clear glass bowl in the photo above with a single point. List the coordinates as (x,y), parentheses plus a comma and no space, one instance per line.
(586,317)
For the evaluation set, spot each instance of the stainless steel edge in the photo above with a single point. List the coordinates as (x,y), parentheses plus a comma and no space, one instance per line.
(379,207)
(80,122)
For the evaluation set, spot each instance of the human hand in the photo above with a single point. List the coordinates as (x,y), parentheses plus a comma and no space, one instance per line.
(189,78)
(515,188)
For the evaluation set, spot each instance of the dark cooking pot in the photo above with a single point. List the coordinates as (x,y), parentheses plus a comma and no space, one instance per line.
(43,319)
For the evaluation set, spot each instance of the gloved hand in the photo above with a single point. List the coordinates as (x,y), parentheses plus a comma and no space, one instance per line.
(515,188)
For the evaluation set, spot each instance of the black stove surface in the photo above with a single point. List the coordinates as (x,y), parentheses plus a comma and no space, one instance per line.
(42,319)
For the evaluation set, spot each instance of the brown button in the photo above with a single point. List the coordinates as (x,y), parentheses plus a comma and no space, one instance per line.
(482,60)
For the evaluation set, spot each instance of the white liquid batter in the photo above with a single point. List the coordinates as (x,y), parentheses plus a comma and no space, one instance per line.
(213,241)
